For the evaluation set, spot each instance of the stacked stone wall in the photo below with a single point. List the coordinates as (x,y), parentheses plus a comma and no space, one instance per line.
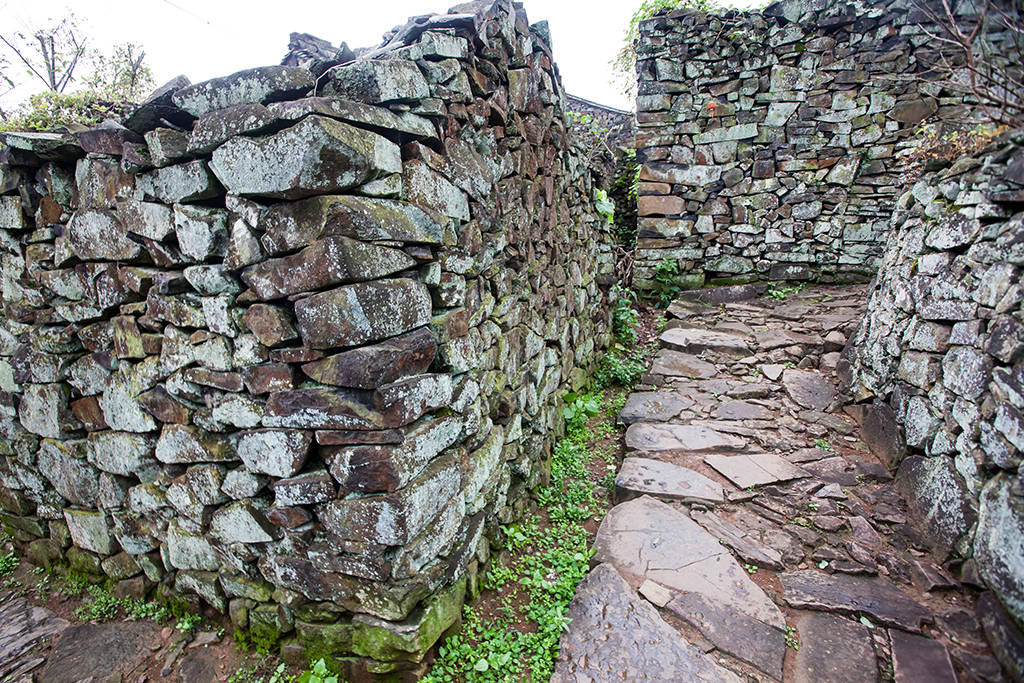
(938,363)
(296,344)
(770,140)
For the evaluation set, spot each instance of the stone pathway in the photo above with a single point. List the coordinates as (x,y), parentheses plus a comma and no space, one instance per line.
(751,517)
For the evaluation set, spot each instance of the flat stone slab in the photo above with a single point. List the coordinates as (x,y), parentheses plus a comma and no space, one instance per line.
(22,628)
(100,652)
(742,410)
(754,469)
(653,406)
(639,476)
(747,547)
(614,635)
(834,649)
(877,598)
(691,340)
(646,436)
(748,639)
(676,364)
(808,389)
(647,539)
(777,339)
(916,658)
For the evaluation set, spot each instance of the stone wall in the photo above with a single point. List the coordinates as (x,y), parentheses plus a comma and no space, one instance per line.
(297,346)
(938,362)
(770,139)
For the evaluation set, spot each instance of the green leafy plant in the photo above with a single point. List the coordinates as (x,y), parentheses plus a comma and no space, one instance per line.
(624,315)
(100,605)
(791,638)
(8,563)
(823,444)
(666,282)
(620,367)
(780,292)
(319,673)
(751,568)
(604,206)
(187,623)
(580,407)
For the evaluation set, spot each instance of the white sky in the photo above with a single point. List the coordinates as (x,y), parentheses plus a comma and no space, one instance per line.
(207,38)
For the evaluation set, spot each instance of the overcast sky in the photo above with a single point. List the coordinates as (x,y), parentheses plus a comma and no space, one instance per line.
(207,38)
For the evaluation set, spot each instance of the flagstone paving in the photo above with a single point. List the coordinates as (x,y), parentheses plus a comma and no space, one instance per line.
(756,535)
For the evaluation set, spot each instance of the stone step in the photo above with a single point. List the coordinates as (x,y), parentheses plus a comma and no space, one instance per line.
(689,340)
(645,539)
(614,635)
(643,476)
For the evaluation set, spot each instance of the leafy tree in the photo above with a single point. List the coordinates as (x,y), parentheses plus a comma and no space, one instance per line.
(51,54)
(54,56)
(122,76)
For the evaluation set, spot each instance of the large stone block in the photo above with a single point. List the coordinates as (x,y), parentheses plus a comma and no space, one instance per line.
(297,224)
(96,234)
(939,502)
(279,453)
(369,367)
(330,261)
(260,85)
(316,156)
(999,543)
(363,312)
(379,81)
(394,518)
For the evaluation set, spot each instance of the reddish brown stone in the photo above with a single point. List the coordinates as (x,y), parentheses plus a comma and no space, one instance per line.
(269,377)
(289,517)
(89,413)
(271,324)
(660,205)
(127,338)
(164,407)
(297,355)
(371,366)
(226,381)
(349,438)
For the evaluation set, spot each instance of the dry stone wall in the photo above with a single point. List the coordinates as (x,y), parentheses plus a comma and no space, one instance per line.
(770,139)
(295,343)
(938,362)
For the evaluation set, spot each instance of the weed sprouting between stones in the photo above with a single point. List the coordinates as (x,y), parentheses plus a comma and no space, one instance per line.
(512,632)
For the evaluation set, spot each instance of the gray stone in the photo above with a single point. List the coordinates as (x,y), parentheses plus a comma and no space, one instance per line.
(650,437)
(334,156)
(939,502)
(294,225)
(875,598)
(378,80)
(737,634)
(656,406)
(640,476)
(363,312)
(260,85)
(97,234)
(808,389)
(676,364)
(647,539)
(649,647)
(916,658)
(330,261)
(966,371)
(100,652)
(91,530)
(188,182)
(742,410)
(698,340)
(216,127)
(833,649)
(745,545)
(1003,634)
(241,522)
(999,543)
(279,453)
(754,469)
(369,367)
(356,112)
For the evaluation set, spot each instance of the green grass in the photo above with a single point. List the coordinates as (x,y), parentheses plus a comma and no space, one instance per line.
(527,597)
